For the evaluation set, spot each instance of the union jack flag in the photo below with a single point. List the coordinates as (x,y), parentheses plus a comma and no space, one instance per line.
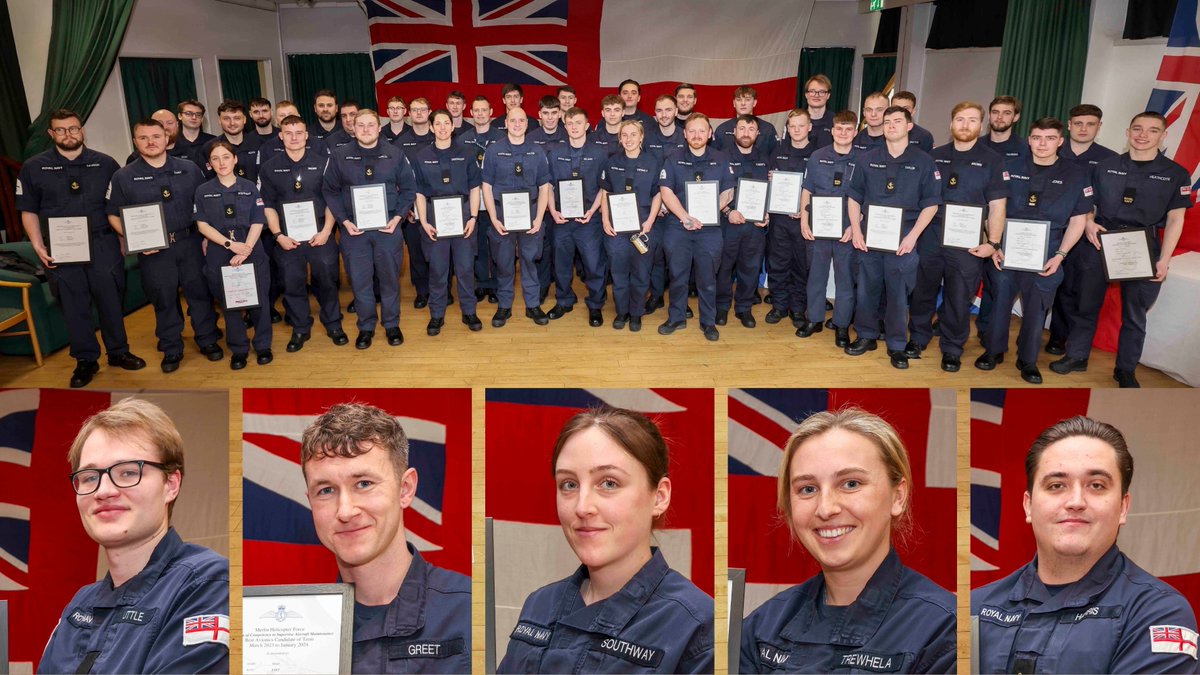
(281,544)
(987,414)
(1173,638)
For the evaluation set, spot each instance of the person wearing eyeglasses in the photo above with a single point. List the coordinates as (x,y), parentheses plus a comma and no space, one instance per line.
(817,91)
(192,136)
(163,606)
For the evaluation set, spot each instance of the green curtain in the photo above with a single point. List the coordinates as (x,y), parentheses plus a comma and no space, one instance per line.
(84,39)
(348,75)
(837,63)
(151,84)
(877,70)
(14,108)
(240,81)
(1043,57)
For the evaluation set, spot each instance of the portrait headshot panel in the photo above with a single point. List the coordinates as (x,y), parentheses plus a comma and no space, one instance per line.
(47,555)
(280,541)
(833,535)
(1157,532)
(535,510)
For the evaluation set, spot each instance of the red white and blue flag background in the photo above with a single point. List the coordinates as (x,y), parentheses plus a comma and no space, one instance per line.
(45,554)
(530,550)
(1175,94)
(432,47)
(761,421)
(1162,533)
(280,544)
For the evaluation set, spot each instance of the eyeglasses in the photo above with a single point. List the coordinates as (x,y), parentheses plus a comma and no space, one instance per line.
(188,113)
(817,92)
(63,131)
(420,110)
(122,474)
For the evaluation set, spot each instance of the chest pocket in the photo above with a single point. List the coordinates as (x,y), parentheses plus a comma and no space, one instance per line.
(965,182)
(1150,199)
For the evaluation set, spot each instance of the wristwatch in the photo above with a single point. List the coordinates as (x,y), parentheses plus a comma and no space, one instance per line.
(994,244)
(277,235)
(228,243)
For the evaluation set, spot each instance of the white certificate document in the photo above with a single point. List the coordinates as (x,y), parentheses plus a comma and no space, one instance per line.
(884,225)
(69,240)
(752,199)
(623,212)
(516,211)
(291,634)
(703,201)
(145,227)
(1127,255)
(570,198)
(825,219)
(448,217)
(300,220)
(1025,244)
(241,291)
(962,226)
(784,196)
(370,206)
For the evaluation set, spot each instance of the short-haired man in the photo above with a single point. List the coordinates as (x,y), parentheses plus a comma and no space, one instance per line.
(549,130)
(971,175)
(1081,605)
(378,253)
(396,109)
(1047,188)
(163,606)
(456,103)
(871,135)
(296,176)
(419,133)
(606,132)
(418,136)
(513,96)
(745,98)
(899,176)
(192,136)
(1083,125)
(326,108)
(273,146)
(356,466)
(817,91)
(513,164)
(685,100)
(566,97)
(666,136)
(828,173)
(170,125)
(1003,113)
(478,137)
(745,240)
(919,136)
(71,181)
(233,129)
(260,114)
(577,159)
(688,242)
(172,182)
(631,94)
(1144,190)
(787,249)
(347,113)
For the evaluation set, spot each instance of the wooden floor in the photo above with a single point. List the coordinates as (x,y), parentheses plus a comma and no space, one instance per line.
(567,353)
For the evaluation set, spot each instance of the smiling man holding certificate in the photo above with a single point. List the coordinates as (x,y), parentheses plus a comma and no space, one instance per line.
(369,186)
(746,230)
(975,187)
(302,228)
(62,191)
(894,192)
(409,616)
(1044,189)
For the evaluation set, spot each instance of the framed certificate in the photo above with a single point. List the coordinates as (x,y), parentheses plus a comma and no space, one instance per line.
(300,220)
(1026,245)
(752,199)
(623,212)
(884,224)
(962,226)
(145,227)
(297,629)
(569,193)
(70,241)
(239,288)
(825,217)
(516,211)
(784,195)
(370,206)
(703,199)
(448,217)
(1127,254)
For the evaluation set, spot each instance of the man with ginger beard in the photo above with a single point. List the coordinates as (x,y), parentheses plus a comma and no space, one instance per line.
(745,240)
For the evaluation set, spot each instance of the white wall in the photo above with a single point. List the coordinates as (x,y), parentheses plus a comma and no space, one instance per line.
(945,85)
(1120,73)
(323,29)
(31,21)
(837,23)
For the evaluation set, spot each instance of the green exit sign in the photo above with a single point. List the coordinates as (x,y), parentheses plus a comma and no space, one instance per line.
(876,5)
